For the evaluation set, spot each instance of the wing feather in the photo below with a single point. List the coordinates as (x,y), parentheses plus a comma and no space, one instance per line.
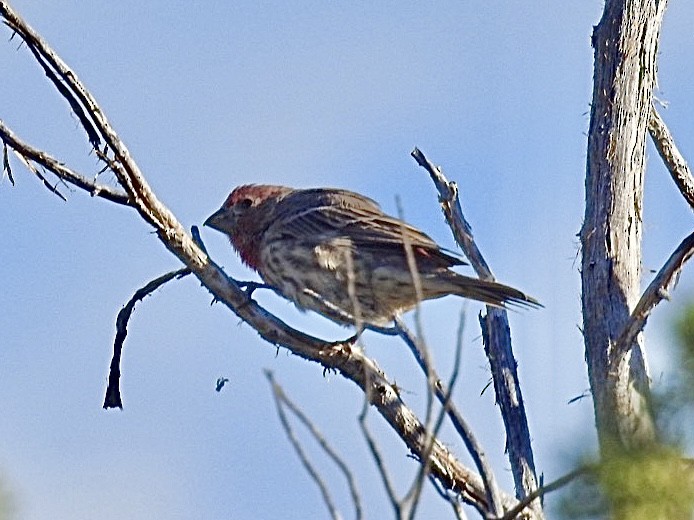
(317,214)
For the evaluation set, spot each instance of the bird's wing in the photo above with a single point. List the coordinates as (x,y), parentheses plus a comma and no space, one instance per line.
(333,212)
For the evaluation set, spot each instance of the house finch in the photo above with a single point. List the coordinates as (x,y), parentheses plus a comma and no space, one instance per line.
(335,252)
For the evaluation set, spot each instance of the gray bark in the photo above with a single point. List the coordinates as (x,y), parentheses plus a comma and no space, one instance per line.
(625,46)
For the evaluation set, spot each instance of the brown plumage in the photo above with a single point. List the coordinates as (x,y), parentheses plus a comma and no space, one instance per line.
(326,249)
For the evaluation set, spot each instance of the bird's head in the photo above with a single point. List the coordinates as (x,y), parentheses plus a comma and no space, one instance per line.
(245,215)
(243,201)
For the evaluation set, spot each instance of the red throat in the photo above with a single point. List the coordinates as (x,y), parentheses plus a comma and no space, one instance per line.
(248,250)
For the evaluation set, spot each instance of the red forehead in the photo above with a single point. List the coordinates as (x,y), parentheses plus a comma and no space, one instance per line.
(254,192)
(241,192)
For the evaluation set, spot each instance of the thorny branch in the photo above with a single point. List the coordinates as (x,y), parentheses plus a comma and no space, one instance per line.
(342,357)
(33,169)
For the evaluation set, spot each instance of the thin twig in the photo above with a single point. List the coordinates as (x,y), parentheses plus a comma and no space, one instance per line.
(461,426)
(281,400)
(413,495)
(27,153)
(113,398)
(380,464)
(657,291)
(6,167)
(322,442)
(33,169)
(417,485)
(512,513)
(671,156)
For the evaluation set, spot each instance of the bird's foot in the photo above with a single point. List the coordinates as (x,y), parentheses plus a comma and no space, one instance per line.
(249,287)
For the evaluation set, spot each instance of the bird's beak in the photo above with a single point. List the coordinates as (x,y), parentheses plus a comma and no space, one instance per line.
(215,220)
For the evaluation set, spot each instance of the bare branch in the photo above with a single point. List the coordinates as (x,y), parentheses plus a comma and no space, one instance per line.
(282,400)
(75,93)
(33,169)
(60,85)
(513,513)
(450,203)
(57,71)
(496,331)
(459,423)
(28,153)
(113,398)
(339,462)
(657,291)
(380,464)
(446,408)
(6,168)
(671,156)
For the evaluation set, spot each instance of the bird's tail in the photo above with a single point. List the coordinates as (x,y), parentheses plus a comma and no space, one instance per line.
(491,293)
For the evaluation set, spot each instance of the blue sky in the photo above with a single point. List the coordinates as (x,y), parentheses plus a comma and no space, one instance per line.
(307,94)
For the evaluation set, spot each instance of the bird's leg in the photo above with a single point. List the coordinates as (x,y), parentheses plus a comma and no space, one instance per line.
(249,287)
(352,340)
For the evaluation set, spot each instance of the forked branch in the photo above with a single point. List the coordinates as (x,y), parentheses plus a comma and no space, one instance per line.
(497,340)
(659,288)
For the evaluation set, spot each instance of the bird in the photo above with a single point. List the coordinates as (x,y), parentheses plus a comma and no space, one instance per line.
(335,252)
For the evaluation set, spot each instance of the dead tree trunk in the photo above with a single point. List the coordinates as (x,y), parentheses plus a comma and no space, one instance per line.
(625,45)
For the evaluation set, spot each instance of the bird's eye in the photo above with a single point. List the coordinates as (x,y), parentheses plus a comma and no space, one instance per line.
(245,203)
